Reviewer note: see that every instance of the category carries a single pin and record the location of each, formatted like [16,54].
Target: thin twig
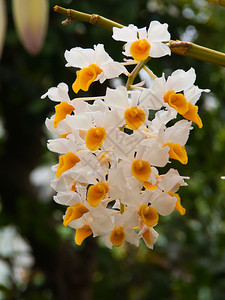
[87,98]
[150,73]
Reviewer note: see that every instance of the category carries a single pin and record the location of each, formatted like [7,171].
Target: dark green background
[188,261]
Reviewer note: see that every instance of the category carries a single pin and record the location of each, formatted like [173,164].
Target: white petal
[178,133]
[127,49]
[162,117]
[67,198]
[80,122]
[58,94]
[79,58]
[63,183]
[113,70]
[112,120]
[159,49]
[62,126]
[132,237]
[153,237]
[107,241]
[180,80]
[130,218]
[98,105]
[58,146]
[152,98]
[163,202]
[81,107]
[142,33]
[101,55]
[117,97]
[158,32]
[194,93]
[126,34]
[101,225]
[171,181]
[156,155]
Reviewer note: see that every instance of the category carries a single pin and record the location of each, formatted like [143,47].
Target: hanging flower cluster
[109,150]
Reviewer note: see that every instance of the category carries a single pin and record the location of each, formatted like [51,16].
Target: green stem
[178,47]
[150,73]
[92,19]
[219,2]
[197,52]
[135,72]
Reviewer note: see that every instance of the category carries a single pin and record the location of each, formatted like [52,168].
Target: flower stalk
[135,72]
[177,47]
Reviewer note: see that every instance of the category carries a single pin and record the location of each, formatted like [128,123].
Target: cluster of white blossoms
[110,148]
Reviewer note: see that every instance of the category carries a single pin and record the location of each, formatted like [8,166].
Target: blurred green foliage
[188,261]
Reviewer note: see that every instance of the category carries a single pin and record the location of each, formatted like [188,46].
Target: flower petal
[158,32]
[126,34]
[82,233]
[117,98]
[163,202]
[79,58]
[159,49]
[180,80]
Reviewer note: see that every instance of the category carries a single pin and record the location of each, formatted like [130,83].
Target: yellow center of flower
[96,193]
[134,117]
[82,233]
[177,152]
[140,49]
[95,138]
[178,205]
[117,236]
[149,215]
[149,186]
[141,170]
[192,114]
[148,237]
[74,212]
[61,111]
[85,77]
[177,101]
[73,187]
[64,135]
[66,162]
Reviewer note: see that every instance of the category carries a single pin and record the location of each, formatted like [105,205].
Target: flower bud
[3,22]
[31,21]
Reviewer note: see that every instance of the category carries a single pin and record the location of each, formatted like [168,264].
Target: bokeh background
[38,257]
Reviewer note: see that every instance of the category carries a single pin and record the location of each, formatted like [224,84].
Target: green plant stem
[93,19]
[197,52]
[150,73]
[135,72]
[178,47]
[218,2]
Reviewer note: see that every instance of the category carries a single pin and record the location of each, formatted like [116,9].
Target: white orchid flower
[95,64]
[142,43]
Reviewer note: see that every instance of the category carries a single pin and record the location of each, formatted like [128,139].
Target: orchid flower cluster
[110,147]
